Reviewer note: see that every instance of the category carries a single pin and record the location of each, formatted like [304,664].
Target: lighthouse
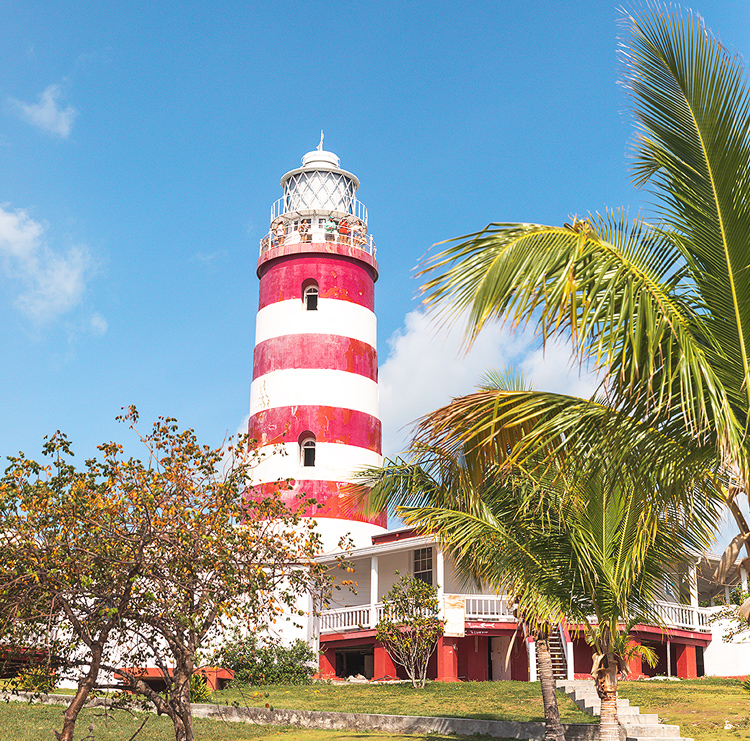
[314,394]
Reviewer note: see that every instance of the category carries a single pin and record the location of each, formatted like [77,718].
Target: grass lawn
[519,701]
[22,722]
[699,706]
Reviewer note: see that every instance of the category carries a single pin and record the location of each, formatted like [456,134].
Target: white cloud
[53,282]
[427,366]
[47,113]
[98,324]
[553,368]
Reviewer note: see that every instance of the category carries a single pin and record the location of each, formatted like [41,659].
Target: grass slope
[517,701]
[22,722]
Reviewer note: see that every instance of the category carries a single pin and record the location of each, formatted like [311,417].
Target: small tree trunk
[85,685]
[180,703]
[553,730]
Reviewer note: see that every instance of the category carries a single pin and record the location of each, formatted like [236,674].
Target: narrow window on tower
[307,449]
[310,295]
[423,565]
[311,298]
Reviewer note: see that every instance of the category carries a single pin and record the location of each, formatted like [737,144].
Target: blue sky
[141,146]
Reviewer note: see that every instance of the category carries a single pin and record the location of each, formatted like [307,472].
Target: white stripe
[314,386]
[334,317]
[333,462]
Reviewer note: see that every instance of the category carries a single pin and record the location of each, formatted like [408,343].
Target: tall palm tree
[579,537]
[662,308]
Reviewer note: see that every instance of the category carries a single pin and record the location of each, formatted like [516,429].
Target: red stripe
[334,497]
[328,424]
[322,248]
[338,277]
[328,352]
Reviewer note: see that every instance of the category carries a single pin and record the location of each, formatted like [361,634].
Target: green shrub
[267,661]
[199,689]
[36,678]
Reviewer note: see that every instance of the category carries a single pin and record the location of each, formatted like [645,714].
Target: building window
[310,295]
[307,451]
[311,298]
[423,565]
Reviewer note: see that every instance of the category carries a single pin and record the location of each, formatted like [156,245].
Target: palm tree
[662,308]
[436,486]
[576,538]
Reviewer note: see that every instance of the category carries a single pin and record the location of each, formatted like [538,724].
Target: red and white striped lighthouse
[314,396]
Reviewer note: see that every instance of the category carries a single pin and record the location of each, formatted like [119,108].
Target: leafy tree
[664,308]
[410,628]
[147,559]
[71,562]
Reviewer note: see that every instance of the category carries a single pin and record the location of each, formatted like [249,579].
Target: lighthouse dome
[319,159]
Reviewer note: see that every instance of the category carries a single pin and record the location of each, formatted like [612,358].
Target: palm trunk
[609,727]
[553,730]
[605,681]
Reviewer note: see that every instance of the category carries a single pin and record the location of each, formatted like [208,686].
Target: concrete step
[593,705]
[637,726]
[572,683]
[638,719]
[652,731]
[648,738]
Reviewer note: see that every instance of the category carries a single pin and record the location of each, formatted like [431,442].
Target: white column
[531,645]
[727,594]
[743,579]
[440,562]
[571,667]
[669,658]
[693,585]
[374,596]
[313,625]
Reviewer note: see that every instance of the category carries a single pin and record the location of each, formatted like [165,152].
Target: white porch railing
[488,608]
[491,608]
[686,617]
[345,618]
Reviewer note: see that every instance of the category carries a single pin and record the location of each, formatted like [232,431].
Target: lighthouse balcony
[318,227]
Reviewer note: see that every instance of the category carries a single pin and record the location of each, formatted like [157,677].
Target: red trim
[342,640]
[328,424]
[654,632]
[328,352]
[332,497]
[338,277]
[490,629]
[683,636]
[392,537]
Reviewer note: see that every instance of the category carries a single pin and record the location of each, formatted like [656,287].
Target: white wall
[388,565]
[726,659]
[360,594]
